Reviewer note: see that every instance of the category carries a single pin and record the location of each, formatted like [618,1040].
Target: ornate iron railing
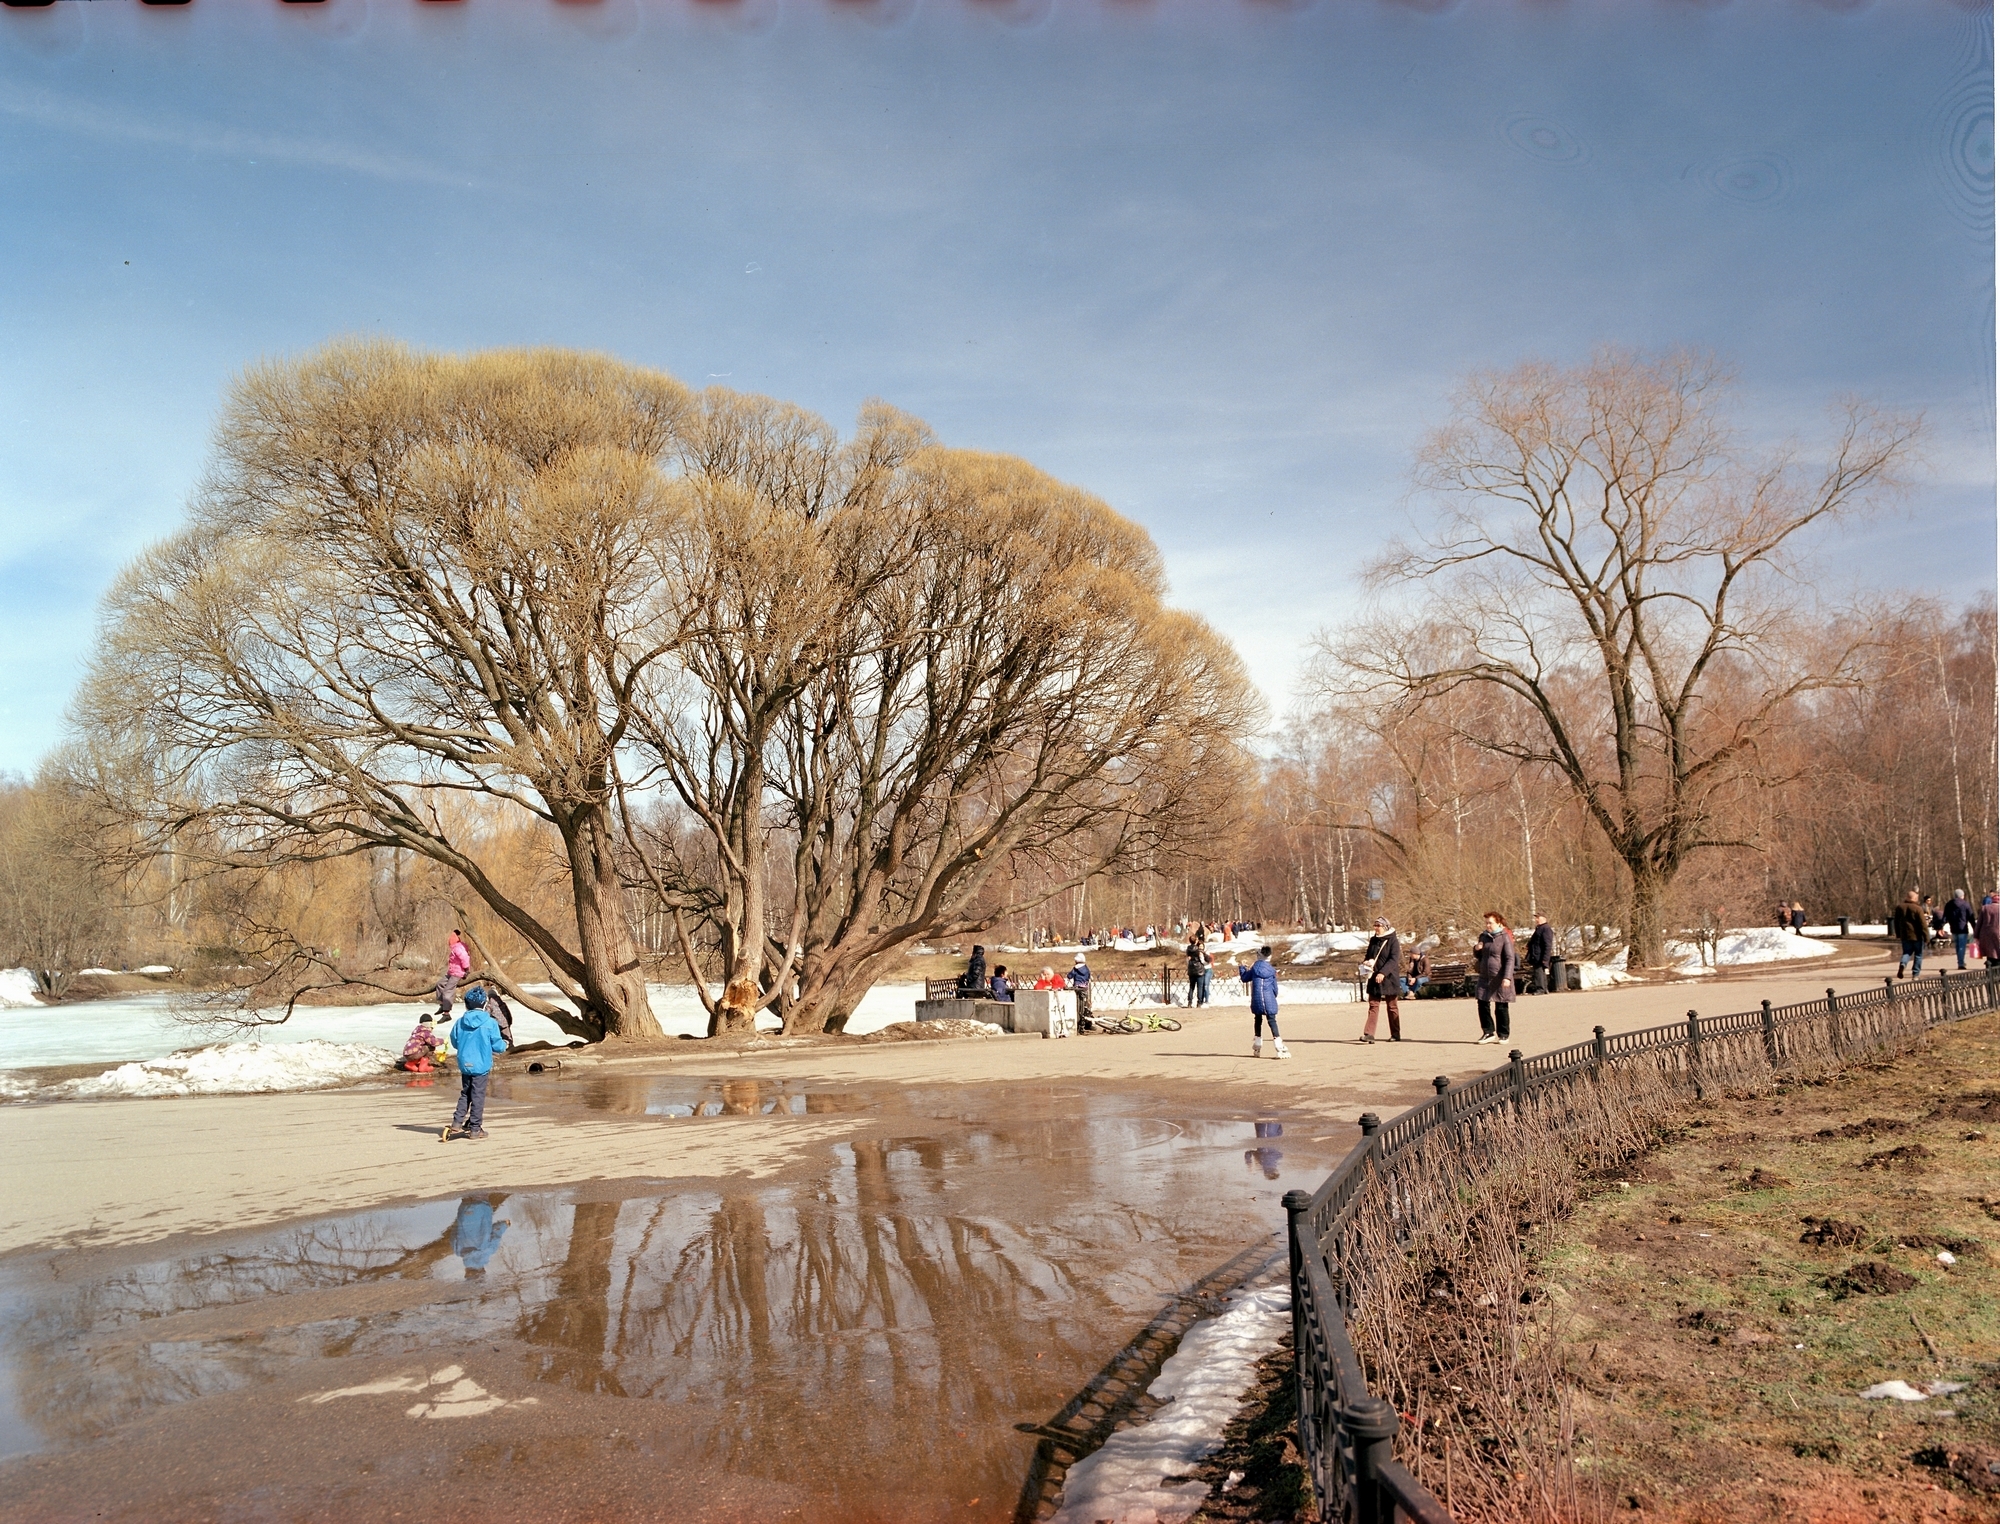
[1347,1434]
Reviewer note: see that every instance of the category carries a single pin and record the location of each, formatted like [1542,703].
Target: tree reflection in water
[907,1308]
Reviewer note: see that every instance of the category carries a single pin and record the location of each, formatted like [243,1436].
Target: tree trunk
[614,983]
[1645,935]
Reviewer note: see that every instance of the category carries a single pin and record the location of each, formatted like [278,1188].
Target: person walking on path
[1988,929]
[475,1037]
[1798,919]
[457,964]
[1494,963]
[1263,982]
[1959,919]
[1382,979]
[1541,948]
[1909,925]
[1079,980]
[1199,964]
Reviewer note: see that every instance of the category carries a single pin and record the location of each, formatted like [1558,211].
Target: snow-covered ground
[236,1068]
[17,989]
[1311,947]
[1204,1383]
[1749,944]
[141,1028]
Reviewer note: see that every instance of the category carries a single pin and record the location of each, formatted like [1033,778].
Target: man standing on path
[457,964]
[1909,925]
[1079,980]
[1541,948]
[1959,919]
[1382,978]
[1263,982]
[475,1038]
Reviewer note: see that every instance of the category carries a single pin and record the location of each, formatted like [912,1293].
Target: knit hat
[1079,957]
[426,1019]
[475,998]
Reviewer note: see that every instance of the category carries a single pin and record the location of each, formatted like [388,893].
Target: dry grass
[1472,1318]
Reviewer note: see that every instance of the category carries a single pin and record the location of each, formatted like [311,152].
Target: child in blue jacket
[475,1038]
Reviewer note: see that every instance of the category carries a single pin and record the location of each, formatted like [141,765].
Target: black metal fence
[1348,1435]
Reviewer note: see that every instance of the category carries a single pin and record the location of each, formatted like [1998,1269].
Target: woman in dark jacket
[1493,965]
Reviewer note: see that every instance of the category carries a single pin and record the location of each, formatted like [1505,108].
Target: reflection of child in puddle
[475,1237]
[1266,1159]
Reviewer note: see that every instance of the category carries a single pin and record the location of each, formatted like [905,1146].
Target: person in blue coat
[1263,982]
[475,1038]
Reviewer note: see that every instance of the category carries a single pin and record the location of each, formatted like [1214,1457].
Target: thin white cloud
[47,108]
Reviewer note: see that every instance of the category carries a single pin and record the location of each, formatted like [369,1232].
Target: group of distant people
[1914,922]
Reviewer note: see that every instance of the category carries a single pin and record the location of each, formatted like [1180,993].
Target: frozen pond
[143,1026]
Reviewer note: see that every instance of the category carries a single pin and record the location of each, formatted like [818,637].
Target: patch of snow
[236,1068]
[1750,944]
[1854,929]
[1600,976]
[17,990]
[14,1088]
[1312,946]
[1902,1391]
[153,968]
[138,1027]
[1125,1478]
[97,971]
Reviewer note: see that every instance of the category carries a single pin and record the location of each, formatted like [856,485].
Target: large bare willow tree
[867,671]
[1611,563]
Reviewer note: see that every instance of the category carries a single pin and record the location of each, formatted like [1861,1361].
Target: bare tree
[406,578]
[950,667]
[1608,558]
[56,900]
[419,596]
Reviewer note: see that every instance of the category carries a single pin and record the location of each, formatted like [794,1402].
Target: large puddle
[869,1341]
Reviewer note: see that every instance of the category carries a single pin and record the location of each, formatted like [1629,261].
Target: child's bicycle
[1128,1025]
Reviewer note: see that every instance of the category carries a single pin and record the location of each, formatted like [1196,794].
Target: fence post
[1305,1353]
[1770,1035]
[1694,1054]
[1371,1424]
[1520,1079]
[1599,1051]
[1833,1024]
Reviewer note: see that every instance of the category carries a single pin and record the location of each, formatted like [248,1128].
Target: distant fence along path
[1346,1433]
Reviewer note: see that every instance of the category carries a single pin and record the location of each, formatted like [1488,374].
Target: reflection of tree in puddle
[910,1290]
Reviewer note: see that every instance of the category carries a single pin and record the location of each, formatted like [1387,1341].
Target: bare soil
[1719,1340]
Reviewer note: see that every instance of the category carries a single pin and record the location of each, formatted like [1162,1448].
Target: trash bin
[1558,976]
[1843,925]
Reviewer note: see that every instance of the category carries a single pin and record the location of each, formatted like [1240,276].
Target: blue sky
[1219,261]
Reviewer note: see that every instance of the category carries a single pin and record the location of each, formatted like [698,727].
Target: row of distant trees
[629,680]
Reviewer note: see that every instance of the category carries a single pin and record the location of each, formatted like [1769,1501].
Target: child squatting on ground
[476,1037]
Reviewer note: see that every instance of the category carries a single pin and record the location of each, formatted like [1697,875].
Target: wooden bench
[1446,980]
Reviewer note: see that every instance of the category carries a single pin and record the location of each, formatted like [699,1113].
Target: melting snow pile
[1600,976]
[1753,944]
[1314,946]
[237,1068]
[17,989]
[1126,1478]
[907,1031]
